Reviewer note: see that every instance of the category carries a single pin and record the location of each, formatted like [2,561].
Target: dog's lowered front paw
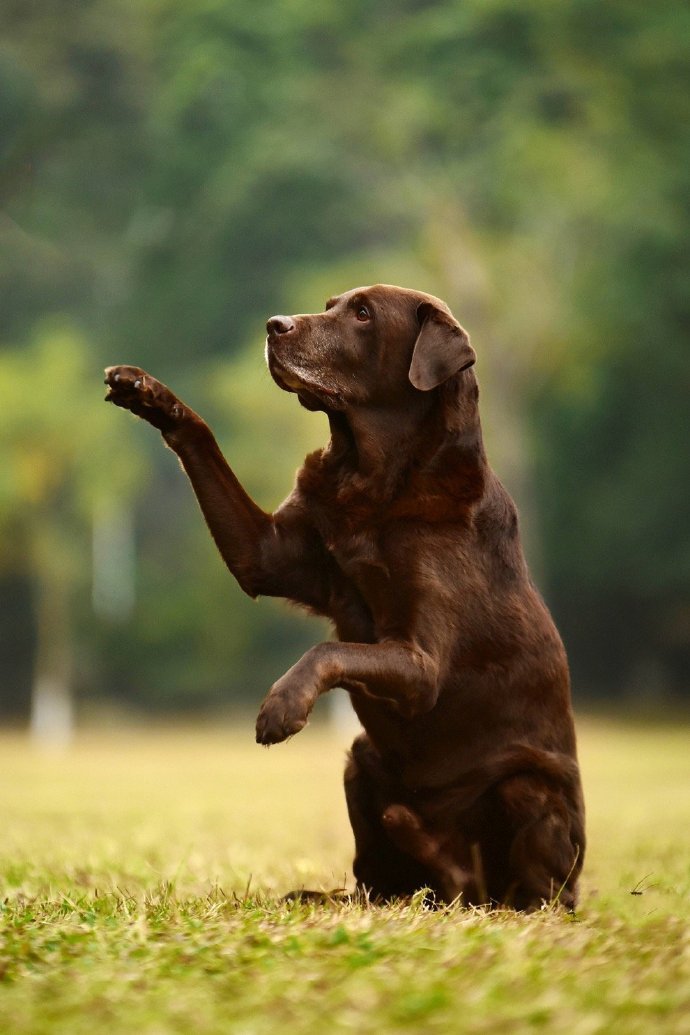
[133,389]
[287,705]
[280,717]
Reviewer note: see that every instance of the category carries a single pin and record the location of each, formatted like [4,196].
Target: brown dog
[466,780]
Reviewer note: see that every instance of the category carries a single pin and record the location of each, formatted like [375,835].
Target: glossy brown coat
[465,779]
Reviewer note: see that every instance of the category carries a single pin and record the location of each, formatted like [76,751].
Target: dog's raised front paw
[133,389]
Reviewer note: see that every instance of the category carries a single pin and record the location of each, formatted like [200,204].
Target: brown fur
[466,779]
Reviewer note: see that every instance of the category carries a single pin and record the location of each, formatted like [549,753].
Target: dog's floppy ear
[441,350]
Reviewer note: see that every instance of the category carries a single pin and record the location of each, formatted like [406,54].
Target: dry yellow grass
[141,872]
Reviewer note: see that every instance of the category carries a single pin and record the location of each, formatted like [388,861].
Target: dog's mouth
[312,397]
[284,378]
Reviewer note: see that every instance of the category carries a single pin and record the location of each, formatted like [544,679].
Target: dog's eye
[363,313]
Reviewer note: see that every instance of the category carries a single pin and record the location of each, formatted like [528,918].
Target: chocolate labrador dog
[466,780]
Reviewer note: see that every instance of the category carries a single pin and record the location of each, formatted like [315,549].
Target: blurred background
[173,173]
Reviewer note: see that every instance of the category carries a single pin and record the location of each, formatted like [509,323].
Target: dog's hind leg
[383,869]
[546,853]
[455,881]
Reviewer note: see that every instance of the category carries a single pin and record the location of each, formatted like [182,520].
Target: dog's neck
[380,442]
[379,446]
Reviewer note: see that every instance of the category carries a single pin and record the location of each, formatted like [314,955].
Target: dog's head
[376,345]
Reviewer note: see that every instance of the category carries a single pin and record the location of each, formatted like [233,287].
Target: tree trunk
[52,707]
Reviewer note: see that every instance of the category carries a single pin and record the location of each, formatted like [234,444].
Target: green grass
[141,873]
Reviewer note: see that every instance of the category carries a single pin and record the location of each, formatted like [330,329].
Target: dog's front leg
[400,673]
[276,555]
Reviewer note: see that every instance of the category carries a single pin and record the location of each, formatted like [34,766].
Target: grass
[141,877]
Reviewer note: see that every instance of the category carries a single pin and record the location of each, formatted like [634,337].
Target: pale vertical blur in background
[173,173]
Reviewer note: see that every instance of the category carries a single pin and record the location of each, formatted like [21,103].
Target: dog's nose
[280,325]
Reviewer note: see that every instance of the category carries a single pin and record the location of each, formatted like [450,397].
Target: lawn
[141,876]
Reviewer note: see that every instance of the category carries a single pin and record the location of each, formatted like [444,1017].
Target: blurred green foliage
[172,174]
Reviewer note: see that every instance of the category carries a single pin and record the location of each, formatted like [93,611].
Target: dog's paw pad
[133,389]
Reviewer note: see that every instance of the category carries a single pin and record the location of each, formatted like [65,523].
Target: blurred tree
[613,454]
[61,471]
[172,173]
[75,91]
[549,150]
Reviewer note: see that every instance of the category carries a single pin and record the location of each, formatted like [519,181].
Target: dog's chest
[372,560]
[357,543]
[357,554]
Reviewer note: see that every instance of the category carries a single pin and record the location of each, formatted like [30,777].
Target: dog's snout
[280,325]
